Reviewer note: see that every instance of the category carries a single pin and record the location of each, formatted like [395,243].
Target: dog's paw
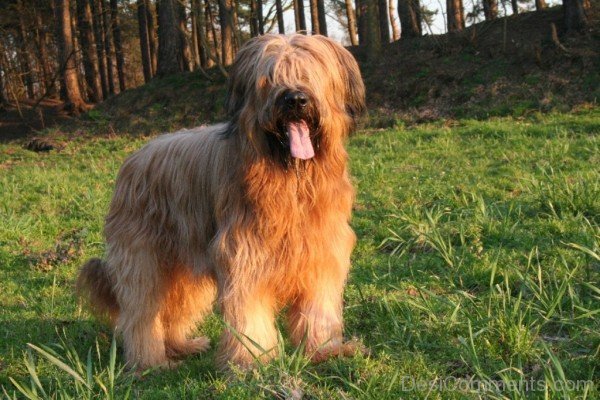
[188,347]
[339,349]
[198,345]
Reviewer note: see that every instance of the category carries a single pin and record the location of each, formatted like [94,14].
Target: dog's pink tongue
[300,144]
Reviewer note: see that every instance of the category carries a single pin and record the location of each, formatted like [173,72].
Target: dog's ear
[355,88]
[242,74]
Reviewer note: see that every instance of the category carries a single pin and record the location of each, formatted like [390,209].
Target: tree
[373,37]
[515,6]
[152,36]
[86,40]
[384,27]
[322,19]
[169,40]
[361,21]
[300,18]
[351,23]
[226,20]
[185,57]
[490,9]
[116,32]
[99,40]
[42,40]
[107,40]
[25,61]
[261,18]
[144,40]
[198,34]
[66,52]
[455,15]
[253,18]
[393,22]
[279,11]
[409,12]
[574,16]
[314,17]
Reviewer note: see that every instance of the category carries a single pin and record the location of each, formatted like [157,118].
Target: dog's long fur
[226,213]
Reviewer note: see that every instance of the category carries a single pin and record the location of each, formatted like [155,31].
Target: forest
[83,51]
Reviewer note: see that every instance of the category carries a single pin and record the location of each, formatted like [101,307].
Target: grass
[476,274]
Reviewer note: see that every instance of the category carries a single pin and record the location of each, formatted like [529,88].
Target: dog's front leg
[315,317]
[250,333]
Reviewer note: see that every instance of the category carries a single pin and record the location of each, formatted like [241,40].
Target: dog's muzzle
[297,130]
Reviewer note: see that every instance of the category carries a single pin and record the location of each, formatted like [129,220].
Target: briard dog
[252,213]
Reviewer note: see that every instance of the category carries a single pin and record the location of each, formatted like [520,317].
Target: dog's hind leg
[189,297]
[140,293]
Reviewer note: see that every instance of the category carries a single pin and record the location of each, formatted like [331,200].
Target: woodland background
[81,52]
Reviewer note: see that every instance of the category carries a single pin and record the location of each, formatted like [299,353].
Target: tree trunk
[540,5]
[203,43]
[279,11]
[195,45]
[393,21]
[351,23]
[75,101]
[574,16]
[226,20]
[322,19]
[144,40]
[409,12]
[116,31]
[384,29]
[490,9]
[361,21]
[152,36]
[211,33]
[237,33]
[25,61]
[42,54]
[253,18]
[99,39]
[515,6]
[86,40]
[373,41]
[261,18]
[169,50]
[62,90]
[455,15]
[300,18]
[186,56]
[314,17]
[106,31]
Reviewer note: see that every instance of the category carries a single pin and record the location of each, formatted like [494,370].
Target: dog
[252,214]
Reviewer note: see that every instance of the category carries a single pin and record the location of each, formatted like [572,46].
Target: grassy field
[476,275]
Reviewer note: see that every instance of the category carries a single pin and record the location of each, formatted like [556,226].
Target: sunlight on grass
[476,274]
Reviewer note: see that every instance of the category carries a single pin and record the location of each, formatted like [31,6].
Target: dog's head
[295,94]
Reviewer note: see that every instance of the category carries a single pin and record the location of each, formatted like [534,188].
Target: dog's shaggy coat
[228,212]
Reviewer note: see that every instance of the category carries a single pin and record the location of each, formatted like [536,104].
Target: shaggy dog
[252,212]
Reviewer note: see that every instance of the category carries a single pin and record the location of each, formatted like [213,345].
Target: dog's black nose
[296,100]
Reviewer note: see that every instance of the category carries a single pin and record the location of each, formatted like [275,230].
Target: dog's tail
[95,287]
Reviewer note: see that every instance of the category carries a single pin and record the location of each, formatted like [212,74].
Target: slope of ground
[510,66]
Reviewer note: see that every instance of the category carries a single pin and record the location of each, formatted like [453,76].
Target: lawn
[476,274]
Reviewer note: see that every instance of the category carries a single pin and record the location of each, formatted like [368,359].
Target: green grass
[476,274]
